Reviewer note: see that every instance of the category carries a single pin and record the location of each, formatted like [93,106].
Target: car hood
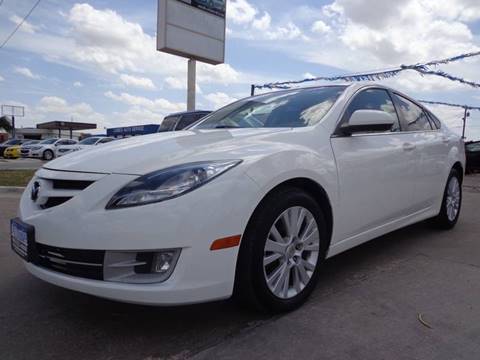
[144,154]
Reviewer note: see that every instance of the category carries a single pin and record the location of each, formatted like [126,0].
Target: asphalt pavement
[366,306]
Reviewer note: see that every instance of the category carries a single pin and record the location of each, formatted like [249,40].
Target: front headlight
[169,183]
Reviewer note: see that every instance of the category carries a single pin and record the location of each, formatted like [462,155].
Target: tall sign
[12,111]
[194,29]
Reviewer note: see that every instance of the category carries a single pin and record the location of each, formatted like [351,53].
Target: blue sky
[96,60]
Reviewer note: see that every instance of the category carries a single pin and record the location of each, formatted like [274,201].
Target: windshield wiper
[227,127]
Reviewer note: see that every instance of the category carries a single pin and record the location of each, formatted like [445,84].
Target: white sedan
[250,202]
[46,149]
[83,145]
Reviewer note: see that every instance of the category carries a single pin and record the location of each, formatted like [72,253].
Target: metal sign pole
[13,126]
[191,84]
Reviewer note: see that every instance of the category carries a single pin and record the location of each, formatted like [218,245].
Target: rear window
[168,124]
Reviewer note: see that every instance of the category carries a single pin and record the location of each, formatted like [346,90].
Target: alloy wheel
[291,252]
[453,198]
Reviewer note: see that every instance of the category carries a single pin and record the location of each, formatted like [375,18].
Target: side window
[185,121]
[168,124]
[413,116]
[71,142]
[104,141]
[373,99]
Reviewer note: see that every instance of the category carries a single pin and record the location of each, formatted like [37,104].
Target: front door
[375,171]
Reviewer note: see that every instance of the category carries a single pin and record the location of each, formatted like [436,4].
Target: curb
[11,189]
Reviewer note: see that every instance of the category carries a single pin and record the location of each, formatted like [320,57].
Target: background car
[11,142]
[14,152]
[182,120]
[82,145]
[46,149]
[25,147]
[472,151]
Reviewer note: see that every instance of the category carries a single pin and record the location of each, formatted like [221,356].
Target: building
[55,129]
[123,132]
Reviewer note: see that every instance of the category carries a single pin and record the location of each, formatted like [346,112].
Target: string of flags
[421,68]
[466,107]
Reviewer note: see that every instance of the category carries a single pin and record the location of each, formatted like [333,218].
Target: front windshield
[31,142]
[293,108]
[89,141]
[48,141]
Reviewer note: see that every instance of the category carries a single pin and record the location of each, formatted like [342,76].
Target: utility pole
[466,115]
[191,84]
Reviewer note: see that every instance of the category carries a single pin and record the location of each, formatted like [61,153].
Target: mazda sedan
[249,202]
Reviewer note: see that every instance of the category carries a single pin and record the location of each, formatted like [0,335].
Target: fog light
[140,267]
[162,262]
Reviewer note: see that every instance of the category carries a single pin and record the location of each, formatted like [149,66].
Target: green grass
[15,177]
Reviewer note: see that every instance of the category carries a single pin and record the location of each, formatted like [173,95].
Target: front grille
[54,201]
[71,184]
[86,264]
[59,191]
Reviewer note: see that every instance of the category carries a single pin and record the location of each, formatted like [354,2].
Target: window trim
[339,133]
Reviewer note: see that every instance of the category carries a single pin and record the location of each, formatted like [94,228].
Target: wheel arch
[459,167]
[314,189]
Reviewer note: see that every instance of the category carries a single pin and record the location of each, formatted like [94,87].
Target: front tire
[451,202]
[282,250]
[48,155]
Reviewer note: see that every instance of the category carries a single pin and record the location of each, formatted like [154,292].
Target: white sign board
[194,29]
[12,110]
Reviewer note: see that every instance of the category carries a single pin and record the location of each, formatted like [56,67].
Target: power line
[19,24]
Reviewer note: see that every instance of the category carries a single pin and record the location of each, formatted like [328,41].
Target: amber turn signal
[226,243]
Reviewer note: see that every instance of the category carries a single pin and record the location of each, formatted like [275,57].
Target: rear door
[374,170]
[431,148]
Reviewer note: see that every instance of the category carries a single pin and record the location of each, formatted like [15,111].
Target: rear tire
[451,202]
[48,155]
[297,258]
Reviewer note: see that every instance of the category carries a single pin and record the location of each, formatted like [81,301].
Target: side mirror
[368,121]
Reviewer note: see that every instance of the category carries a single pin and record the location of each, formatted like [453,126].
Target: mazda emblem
[35,190]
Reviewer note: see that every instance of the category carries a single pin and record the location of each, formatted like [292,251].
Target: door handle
[445,139]
[409,146]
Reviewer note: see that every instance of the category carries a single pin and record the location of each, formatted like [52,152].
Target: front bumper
[190,222]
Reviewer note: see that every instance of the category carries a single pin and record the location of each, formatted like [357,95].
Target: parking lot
[366,306]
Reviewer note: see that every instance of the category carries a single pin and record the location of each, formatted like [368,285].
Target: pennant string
[423,69]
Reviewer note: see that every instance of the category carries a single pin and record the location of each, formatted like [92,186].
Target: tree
[5,123]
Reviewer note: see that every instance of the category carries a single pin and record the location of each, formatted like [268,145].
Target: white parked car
[87,143]
[249,202]
[47,149]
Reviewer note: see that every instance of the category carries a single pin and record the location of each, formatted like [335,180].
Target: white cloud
[2,78]
[160,105]
[78,84]
[319,27]
[219,99]
[24,71]
[262,23]
[138,82]
[26,26]
[241,11]
[176,83]
[378,33]
[56,108]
